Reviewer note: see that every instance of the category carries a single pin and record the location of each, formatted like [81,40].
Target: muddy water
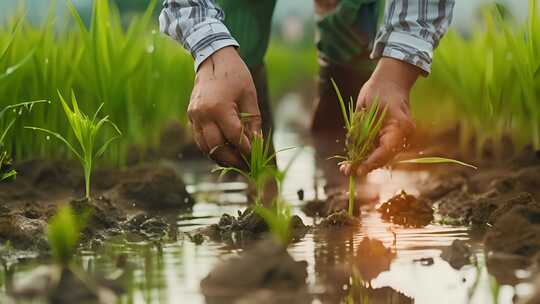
[170,272]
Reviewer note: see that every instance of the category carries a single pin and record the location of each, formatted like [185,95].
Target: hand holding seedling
[223,90]
[390,86]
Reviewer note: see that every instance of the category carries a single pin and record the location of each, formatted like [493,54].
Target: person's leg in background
[250,24]
[344,31]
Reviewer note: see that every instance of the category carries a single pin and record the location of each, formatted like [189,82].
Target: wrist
[217,58]
[400,73]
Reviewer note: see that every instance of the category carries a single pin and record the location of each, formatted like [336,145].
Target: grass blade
[436,160]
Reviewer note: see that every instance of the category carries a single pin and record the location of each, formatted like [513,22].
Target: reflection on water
[374,263]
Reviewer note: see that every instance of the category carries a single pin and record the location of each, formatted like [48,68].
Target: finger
[199,138]
[345,169]
[248,105]
[231,126]
[220,151]
[389,145]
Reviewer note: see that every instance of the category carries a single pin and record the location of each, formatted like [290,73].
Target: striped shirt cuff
[206,39]
[404,47]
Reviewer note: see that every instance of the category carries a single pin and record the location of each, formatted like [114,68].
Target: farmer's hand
[224,89]
[390,84]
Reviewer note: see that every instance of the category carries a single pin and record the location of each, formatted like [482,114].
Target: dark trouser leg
[345,28]
[261,85]
[328,126]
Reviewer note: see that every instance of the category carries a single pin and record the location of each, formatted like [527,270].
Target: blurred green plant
[5,160]
[86,132]
[278,218]
[487,84]
[143,78]
[63,234]
[290,68]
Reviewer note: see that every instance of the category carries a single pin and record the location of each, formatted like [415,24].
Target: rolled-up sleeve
[197,25]
[412,30]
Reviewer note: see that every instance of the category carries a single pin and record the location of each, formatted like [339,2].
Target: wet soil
[131,199]
[339,219]
[500,200]
[336,201]
[407,210]
[458,254]
[245,227]
[265,273]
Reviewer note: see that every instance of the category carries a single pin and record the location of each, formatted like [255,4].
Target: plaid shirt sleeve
[197,25]
[412,29]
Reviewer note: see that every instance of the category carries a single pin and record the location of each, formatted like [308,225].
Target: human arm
[223,85]
[404,47]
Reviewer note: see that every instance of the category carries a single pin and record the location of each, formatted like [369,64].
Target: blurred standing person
[365,62]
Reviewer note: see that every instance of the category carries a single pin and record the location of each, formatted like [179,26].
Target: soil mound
[248,225]
[407,210]
[266,265]
[458,254]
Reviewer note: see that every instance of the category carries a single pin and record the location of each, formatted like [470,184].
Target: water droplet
[46,60]
[48,137]
[150,49]
[10,70]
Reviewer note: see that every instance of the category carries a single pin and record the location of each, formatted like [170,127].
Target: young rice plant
[362,130]
[86,131]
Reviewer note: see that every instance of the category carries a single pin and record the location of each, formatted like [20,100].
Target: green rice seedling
[362,129]
[85,130]
[260,166]
[63,234]
[278,219]
[278,216]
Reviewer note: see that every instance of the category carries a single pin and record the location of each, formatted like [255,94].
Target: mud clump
[23,232]
[458,254]
[488,210]
[503,267]
[60,285]
[149,227]
[248,225]
[516,232]
[265,266]
[407,210]
[339,219]
[156,189]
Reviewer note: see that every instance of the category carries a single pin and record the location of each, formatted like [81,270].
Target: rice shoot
[362,129]
[86,131]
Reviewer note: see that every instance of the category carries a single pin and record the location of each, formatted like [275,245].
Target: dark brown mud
[245,227]
[264,272]
[119,199]
[339,219]
[57,284]
[458,254]
[407,210]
